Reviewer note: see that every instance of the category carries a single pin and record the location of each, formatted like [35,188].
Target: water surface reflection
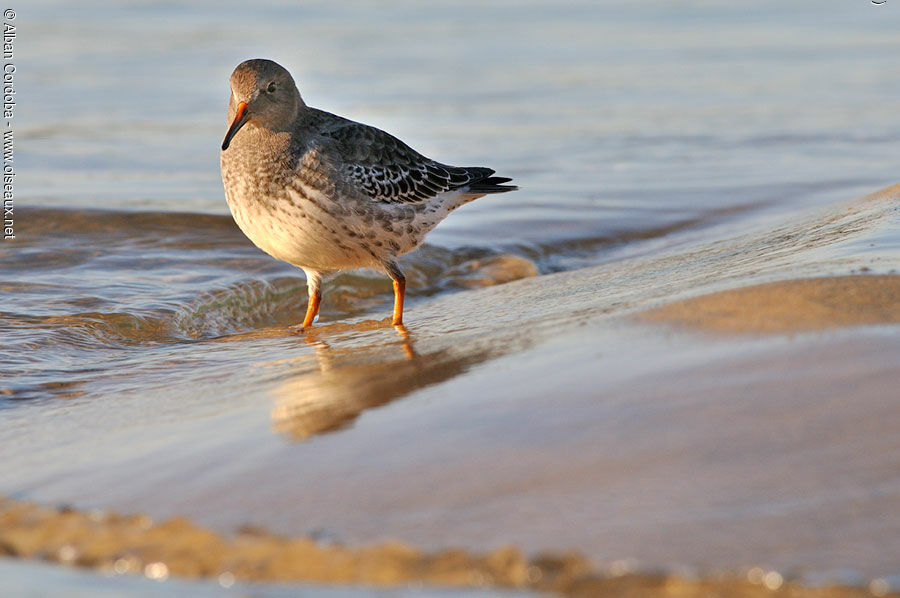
[349,380]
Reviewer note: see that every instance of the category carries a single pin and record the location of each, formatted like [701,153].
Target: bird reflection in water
[349,380]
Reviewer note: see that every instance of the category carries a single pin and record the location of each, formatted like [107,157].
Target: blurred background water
[614,116]
[627,126]
[622,123]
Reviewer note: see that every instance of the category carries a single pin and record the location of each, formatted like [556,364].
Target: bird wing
[386,169]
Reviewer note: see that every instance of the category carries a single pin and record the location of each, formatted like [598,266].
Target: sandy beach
[123,544]
[735,486]
[789,306]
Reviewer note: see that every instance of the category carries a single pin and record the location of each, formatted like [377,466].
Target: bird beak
[239,119]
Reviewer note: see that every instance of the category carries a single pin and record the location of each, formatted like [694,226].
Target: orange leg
[399,294]
[393,270]
[312,308]
[314,288]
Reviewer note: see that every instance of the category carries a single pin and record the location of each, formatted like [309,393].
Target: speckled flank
[325,193]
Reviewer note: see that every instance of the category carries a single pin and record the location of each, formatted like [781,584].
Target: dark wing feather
[388,170]
[411,183]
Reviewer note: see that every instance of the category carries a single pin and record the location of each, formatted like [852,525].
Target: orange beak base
[239,119]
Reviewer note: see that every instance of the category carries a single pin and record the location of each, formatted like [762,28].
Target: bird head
[263,93]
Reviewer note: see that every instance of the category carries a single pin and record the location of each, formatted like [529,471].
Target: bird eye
[271,87]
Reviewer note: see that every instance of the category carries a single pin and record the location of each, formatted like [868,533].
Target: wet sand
[789,306]
[136,545]
[549,413]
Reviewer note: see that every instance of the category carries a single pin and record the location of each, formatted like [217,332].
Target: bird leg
[396,275]
[314,287]
[399,294]
[312,309]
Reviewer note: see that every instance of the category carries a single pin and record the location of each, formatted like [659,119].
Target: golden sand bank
[134,544]
[789,306]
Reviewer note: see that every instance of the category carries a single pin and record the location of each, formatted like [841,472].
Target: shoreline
[480,365]
[111,543]
[787,306]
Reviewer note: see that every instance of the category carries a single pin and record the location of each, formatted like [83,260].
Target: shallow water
[38,579]
[148,362]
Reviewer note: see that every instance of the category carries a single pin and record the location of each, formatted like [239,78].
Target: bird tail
[491,184]
[477,182]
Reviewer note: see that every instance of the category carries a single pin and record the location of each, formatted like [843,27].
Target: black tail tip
[493,184]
